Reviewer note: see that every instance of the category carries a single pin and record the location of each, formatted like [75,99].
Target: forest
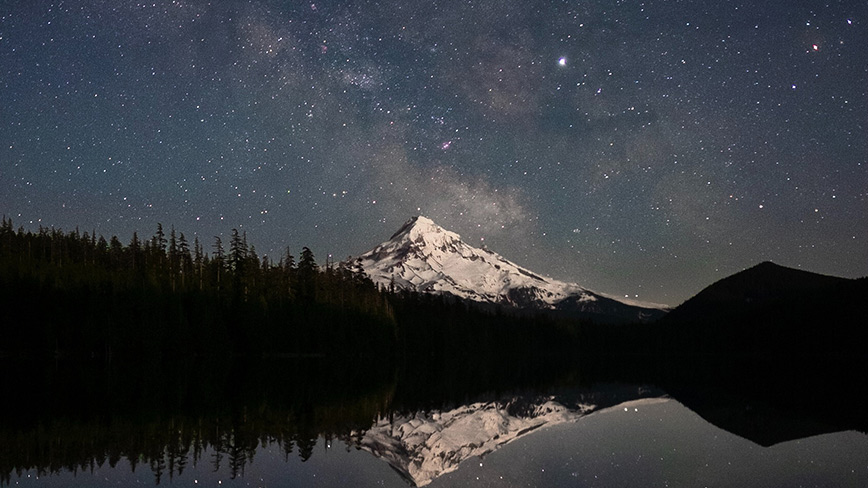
[74,295]
[150,351]
[158,349]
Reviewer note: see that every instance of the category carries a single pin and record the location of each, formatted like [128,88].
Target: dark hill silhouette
[771,310]
[760,289]
[786,338]
[764,421]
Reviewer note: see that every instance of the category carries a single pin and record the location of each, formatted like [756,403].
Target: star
[481,120]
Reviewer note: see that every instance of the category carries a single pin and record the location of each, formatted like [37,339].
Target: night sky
[637,148]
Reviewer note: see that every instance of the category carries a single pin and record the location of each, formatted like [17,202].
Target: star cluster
[643,148]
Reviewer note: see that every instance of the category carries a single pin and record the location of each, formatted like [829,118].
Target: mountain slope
[425,445]
[773,311]
[422,256]
[763,288]
[767,345]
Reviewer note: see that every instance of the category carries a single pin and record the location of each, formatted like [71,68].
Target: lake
[305,423]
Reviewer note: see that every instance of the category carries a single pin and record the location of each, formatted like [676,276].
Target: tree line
[216,414]
[79,295]
[73,294]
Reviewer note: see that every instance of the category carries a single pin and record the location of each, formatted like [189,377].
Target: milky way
[637,148]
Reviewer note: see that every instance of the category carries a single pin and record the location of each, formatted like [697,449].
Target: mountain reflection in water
[305,423]
[423,446]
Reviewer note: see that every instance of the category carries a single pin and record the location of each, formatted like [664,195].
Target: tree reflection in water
[223,414]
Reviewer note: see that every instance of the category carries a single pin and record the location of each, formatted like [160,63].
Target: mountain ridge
[424,257]
[755,289]
[425,445]
[782,316]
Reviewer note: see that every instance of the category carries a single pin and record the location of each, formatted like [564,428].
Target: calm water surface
[549,441]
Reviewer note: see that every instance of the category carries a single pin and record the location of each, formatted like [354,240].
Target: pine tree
[287,262]
[287,266]
[116,252]
[219,258]
[237,252]
[135,252]
[198,259]
[174,258]
[159,239]
[186,261]
[307,271]
[307,262]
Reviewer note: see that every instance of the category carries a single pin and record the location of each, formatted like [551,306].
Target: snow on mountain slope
[425,445]
[425,257]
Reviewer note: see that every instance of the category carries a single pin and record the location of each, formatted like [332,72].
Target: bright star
[562,61]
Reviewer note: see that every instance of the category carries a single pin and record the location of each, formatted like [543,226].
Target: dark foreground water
[303,424]
[657,443]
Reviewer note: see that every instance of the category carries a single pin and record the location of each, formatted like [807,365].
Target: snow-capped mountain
[424,257]
[423,446]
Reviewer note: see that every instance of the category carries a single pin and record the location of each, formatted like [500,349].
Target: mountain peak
[424,257]
[423,446]
[420,226]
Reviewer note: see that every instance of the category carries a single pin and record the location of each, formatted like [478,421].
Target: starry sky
[639,148]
